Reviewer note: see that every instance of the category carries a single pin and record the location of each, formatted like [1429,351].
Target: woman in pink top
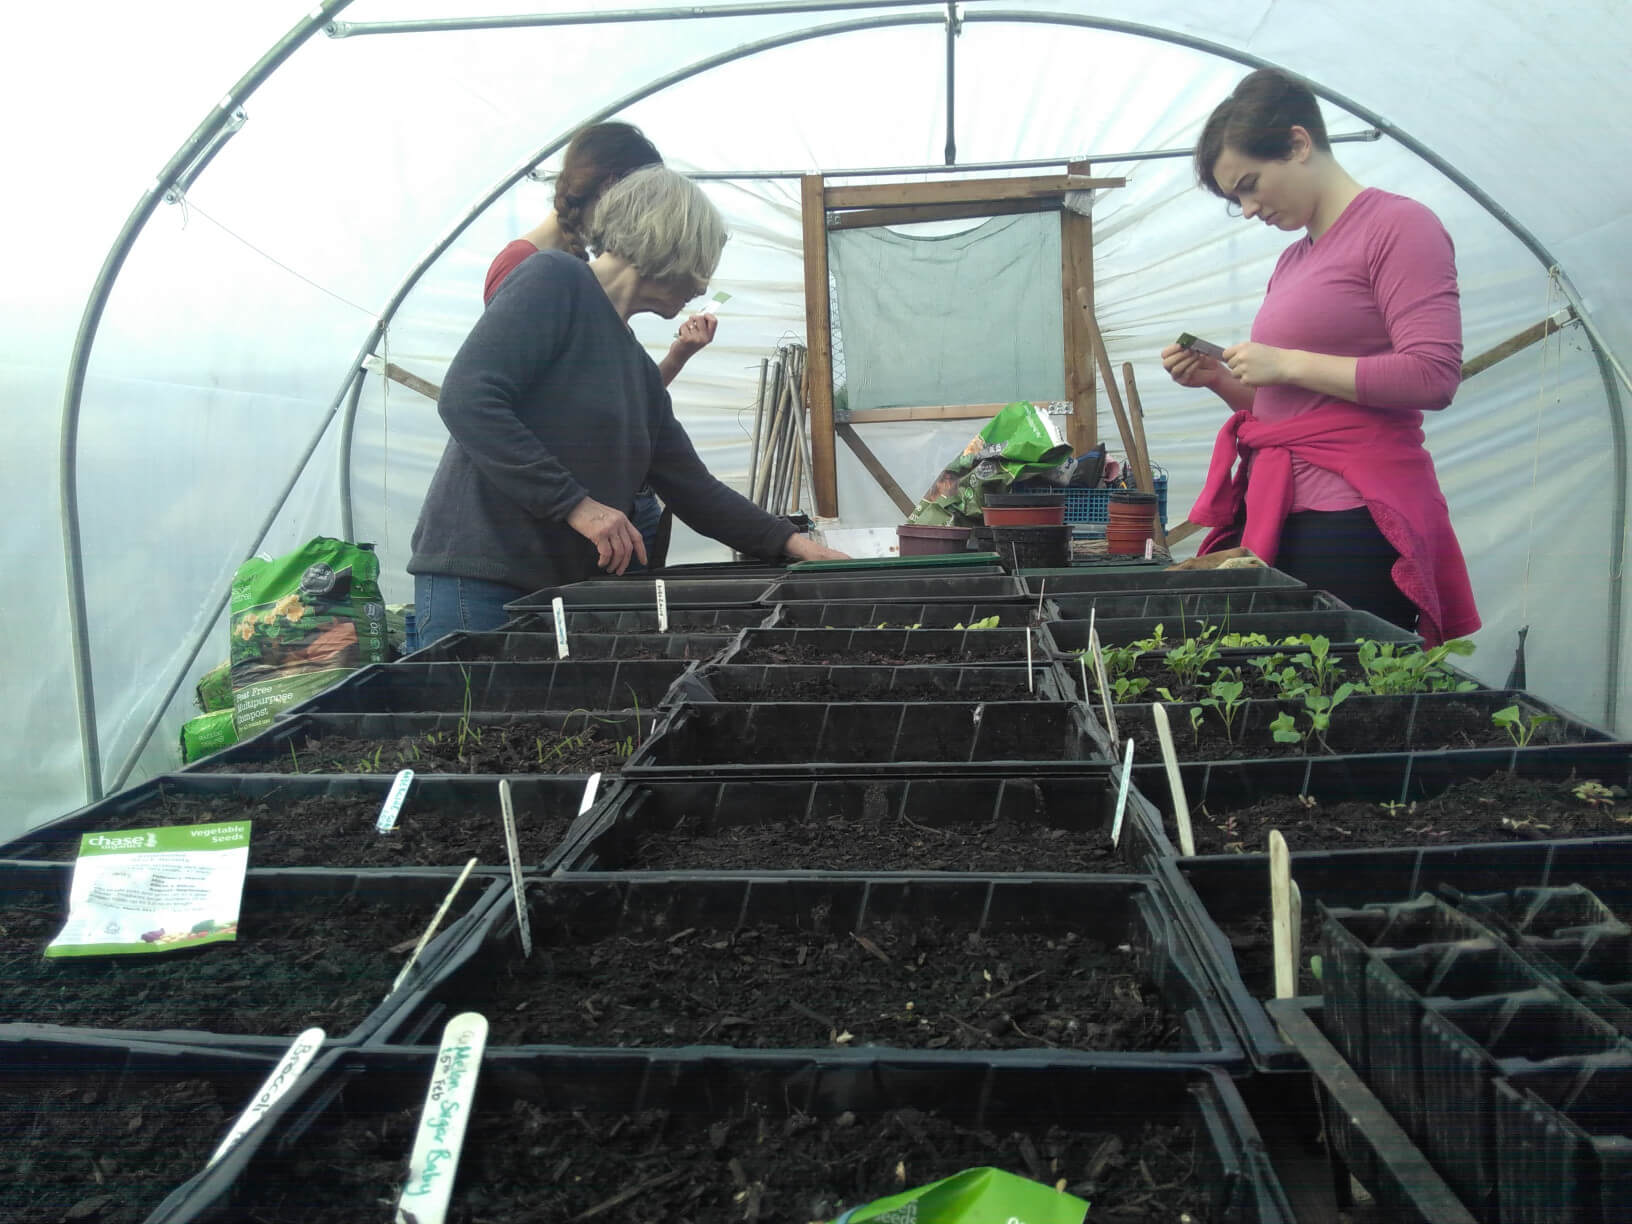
[1360,332]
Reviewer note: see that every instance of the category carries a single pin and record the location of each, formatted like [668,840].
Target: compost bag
[975,1196]
[1021,442]
[299,623]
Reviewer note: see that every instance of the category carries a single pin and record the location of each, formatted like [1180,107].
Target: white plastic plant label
[1122,795]
[155,890]
[435,1159]
[558,609]
[283,1077]
[591,788]
[523,926]
[392,807]
[662,606]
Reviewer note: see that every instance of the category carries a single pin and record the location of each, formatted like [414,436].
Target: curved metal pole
[67,476]
[348,426]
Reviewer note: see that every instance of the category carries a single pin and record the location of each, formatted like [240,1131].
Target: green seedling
[1316,965]
[1226,698]
[1318,662]
[1520,728]
[294,758]
[1196,715]
[1391,669]
[1119,660]
[989,622]
[1317,709]
[1188,661]
[1243,639]
[1129,688]
[1594,794]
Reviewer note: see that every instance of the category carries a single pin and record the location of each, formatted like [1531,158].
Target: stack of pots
[1132,521]
[1029,529]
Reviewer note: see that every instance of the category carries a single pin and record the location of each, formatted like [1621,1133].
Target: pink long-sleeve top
[1379,285]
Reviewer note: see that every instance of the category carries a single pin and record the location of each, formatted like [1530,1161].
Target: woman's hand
[1259,365]
[803,548]
[616,539]
[695,334]
[1189,368]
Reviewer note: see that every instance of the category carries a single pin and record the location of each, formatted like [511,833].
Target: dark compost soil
[768,988]
[328,963]
[1005,649]
[1502,807]
[969,684]
[1252,939]
[521,747]
[523,1163]
[99,1150]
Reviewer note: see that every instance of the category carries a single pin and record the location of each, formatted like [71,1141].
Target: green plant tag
[975,1196]
[154,890]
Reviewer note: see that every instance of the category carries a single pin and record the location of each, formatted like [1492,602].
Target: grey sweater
[549,400]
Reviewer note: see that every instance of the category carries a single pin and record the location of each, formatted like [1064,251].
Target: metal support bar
[952,28]
[348,425]
[217,142]
[770,8]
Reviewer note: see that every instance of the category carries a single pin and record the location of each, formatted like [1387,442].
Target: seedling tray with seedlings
[638,593]
[497,688]
[681,620]
[1095,581]
[1172,607]
[727,739]
[329,822]
[820,682]
[1020,824]
[538,647]
[899,588]
[313,949]
[981,643]
[1063,964]
[1252,633]
[577,742]
[902,615]
[737,1136]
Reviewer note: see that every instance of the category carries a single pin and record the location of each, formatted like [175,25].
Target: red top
[504,263]
[1379,285]
[1381,455]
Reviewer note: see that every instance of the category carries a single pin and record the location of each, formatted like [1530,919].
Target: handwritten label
[1122,795]
[662,606]
[436,921]
[283,1078]
[558,609]
[394,801]
[523,925]
[442,1122]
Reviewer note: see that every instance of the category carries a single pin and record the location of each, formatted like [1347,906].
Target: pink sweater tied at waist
[1383,457]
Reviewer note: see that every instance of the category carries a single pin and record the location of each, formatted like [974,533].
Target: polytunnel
[192,320]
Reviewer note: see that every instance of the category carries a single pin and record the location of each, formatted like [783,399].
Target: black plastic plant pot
[1564,1141]
[747,739]
[1338,627]
[540,648]
[1176,607]
[784,682]
[899,615]
[810,1136]
[900,588]
[104,1129]
[637,592]
[1080,965]
[1145,578]
[1036,824]
[573,742]
[886,647]
[498,688]
[313,948]
[681,620]
[1363,1138]
[322,823]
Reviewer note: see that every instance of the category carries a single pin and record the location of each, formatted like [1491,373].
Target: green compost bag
[214,689]
[975,1196]
[1020,442]
[206,734]
[299,623]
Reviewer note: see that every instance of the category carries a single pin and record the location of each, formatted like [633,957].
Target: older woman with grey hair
[558,415]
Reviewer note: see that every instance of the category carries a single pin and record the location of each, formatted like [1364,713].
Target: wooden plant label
[1175,780]
[283,1078]
[435,1158]
[558,609]
[1280,913]
[662,606]
[1122,795]
[523,925]
[1104,684]
[436,921]
[394,801]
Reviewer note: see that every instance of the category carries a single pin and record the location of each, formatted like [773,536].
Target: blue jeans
[444,604]
[648,514]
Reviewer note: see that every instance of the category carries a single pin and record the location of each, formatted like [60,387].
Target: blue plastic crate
[1093,505]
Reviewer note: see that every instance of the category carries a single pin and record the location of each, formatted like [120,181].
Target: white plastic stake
[514,851]
[1150,548]
[1087,693]
[1297,928]
[435,1158]
[662,606]
[394,801]
[283,1078]
[1175,782]
[1030,686]
[1122,795]
[590,787]
[1104,684]
[1280,913]
[559,610]
[436,921]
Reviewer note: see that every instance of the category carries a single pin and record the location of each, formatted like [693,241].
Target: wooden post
[1077,272]
[824,478]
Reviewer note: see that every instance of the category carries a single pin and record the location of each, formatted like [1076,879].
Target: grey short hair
[661,222]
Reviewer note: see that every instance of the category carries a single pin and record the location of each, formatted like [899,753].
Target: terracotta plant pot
[1025,516]
[919,541]
[1131,521]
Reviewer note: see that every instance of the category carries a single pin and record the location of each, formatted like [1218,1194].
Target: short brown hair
[596,157]
[1257,119]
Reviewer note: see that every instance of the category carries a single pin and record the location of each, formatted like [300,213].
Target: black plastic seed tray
[287,1173]
[1068,637]
[1079,807]
[488,688]
[792,682]
[1125,913]
[437,807]
[1362,1137]
[638,592]
[745,739]
[1218,607]
[538,647]
[681,620]
[286,747]
[1564,1142]
[900,588]
[898,615]
[1058,583]
[888,647]
[28,890]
